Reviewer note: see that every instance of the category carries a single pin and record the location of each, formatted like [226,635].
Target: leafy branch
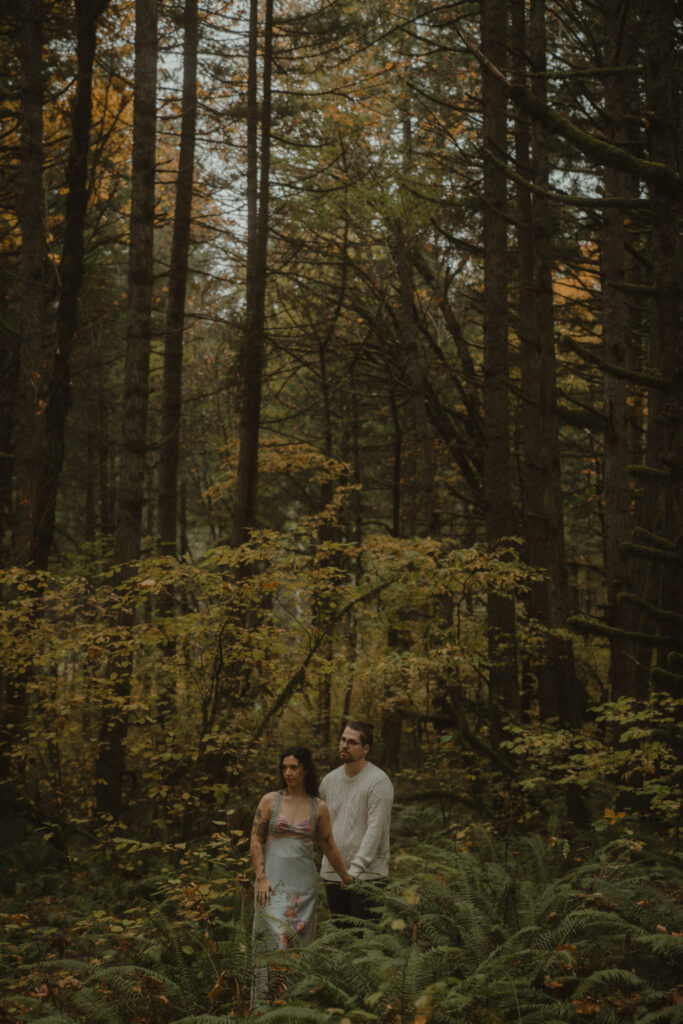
[298,678]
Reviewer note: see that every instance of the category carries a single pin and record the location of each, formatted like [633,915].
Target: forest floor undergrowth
[474,929]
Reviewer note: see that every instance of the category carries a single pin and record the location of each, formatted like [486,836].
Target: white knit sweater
[360,809]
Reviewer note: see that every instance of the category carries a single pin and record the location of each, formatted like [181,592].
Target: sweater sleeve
[380,800]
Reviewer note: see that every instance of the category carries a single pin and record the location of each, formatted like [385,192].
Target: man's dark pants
[345,901]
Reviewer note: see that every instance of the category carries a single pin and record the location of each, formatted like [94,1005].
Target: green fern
[507,931]
[57,1018]
[201,1018]
[668,946]
[178,972]
[89,1003]
[292,1014]
[491,939]
[607,978]
[667,1014]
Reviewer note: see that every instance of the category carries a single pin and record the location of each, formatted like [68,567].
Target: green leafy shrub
[625,762]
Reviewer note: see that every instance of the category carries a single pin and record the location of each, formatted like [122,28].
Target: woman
[286,890]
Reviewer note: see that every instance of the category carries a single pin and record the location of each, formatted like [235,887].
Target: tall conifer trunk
[111,752]
[231,684]
[503,683]
[665,406]
[629,660]
[132,465]
[558,693]
[171,399]
[33,357]
[177,287]
[424,518]
[529,420]
[46,400]
[252,351]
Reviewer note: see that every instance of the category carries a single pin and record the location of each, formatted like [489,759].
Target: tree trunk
[10,352]
[252,354]
[177,285]
[628,672]
[140,291]
[503,684]
[111,753]
[528,418]
[425,518]
[43,442]
[175,321]
[558,692]
[14,679]
[33,351]
[665,413]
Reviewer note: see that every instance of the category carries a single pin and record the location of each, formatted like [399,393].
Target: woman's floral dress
[289,916]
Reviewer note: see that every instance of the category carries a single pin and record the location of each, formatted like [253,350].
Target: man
[359,796]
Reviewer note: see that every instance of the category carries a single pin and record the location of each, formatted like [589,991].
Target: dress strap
[275,812]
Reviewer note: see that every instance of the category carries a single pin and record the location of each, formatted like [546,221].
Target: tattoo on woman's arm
[259,829]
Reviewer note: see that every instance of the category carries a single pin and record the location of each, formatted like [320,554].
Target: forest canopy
[342,376]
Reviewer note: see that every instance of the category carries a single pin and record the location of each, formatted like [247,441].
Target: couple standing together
[355,800]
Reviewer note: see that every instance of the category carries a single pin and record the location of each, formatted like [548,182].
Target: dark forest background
[342,375]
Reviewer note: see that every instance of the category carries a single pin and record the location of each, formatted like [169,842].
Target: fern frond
[110,972]
[606,978]
[200,1018]
[670,946]
[588,921]
[559,1013]
[536,903]
[94,1007]
[183,971]
[670,1014]
[58,1018]
[327,989]
[291,1015]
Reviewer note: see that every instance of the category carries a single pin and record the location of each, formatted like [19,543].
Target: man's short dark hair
[365,729]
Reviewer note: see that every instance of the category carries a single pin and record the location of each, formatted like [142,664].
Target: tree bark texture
[425,519]
[132,463]
[177,287]
[503,683]
[530,440]
[30,361]
[252,353]
[34,352]
[544,527]
[41,446]
[665,415]
[111,752]
[628,660]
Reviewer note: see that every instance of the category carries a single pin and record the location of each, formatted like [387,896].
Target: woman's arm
[328,845]
[259,831]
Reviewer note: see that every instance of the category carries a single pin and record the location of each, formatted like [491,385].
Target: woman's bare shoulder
[266,802]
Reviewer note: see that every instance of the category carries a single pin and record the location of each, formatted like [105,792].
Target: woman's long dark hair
[304,757]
